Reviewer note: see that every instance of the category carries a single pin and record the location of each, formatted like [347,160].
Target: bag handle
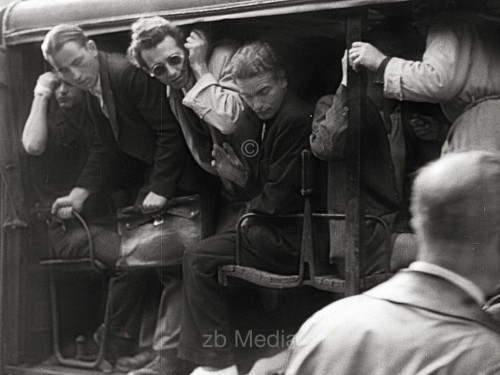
[178,206]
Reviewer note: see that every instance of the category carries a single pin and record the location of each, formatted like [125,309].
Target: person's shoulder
[220,57]
[349,308]
[488,335]
[352,314]
[224,47]
[118,65]
[126,76]
[482,355]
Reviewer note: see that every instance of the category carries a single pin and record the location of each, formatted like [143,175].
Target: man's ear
[92,47]
[282,80]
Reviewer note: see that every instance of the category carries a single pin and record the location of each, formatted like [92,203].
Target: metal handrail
[45,213]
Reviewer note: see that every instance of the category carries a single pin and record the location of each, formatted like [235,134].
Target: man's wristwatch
[379,74]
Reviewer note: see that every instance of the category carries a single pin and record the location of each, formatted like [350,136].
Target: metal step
[46,369]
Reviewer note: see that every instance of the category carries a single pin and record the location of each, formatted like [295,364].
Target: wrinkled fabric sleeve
[280,193]
[214,97]
[328,138]
[443,69]
[149,97]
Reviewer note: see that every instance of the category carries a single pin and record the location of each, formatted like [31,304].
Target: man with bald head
[426,319]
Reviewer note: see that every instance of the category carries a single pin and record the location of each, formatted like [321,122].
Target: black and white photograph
[250,187]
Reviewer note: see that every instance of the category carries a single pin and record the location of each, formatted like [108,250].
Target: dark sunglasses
[160,69]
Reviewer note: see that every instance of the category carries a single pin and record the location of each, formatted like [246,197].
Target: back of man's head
[59,35]
[456,205]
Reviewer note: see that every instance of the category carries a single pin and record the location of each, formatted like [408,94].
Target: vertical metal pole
[356,102]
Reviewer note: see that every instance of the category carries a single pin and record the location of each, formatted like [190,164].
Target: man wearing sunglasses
[219,131]
[201,92]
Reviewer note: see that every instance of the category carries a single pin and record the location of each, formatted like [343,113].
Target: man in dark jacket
[141,128]
[137,138]
[275,182]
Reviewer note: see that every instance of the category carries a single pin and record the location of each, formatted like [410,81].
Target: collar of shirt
[97,89]
[97,92]
[169,91]
[463,283]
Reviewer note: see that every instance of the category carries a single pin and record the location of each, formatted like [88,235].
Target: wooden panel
[11,199]
[356,102]
[24,285]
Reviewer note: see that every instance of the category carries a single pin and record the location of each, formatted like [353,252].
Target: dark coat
[55,172]
[278,175]
[142,133]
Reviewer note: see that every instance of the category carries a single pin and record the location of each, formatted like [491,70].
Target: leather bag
[158,239]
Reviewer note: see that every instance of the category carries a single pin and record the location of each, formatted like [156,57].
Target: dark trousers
[204,316]
[131,292]
[128,292]
[69,241]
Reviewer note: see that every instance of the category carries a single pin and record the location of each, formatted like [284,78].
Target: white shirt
[97,92]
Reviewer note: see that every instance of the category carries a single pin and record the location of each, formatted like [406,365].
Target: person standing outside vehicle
[427,318]
[459,70]
[430,317]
